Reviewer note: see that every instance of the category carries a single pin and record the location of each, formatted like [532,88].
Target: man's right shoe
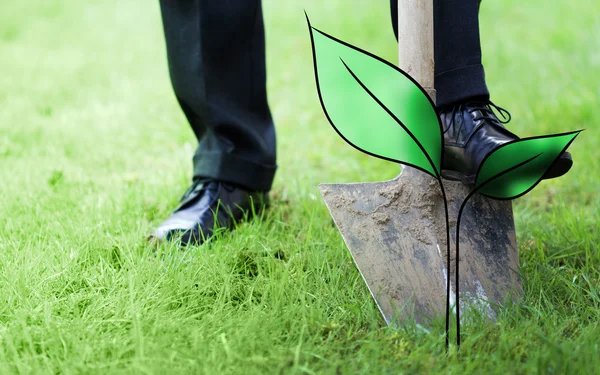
[471,132]
[206,205]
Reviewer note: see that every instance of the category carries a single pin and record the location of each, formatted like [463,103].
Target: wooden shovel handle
[415,41]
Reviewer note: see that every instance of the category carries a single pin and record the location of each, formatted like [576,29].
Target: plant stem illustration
[380,110]
[509,172]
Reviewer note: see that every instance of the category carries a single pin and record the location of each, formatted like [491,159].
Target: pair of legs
[216,55]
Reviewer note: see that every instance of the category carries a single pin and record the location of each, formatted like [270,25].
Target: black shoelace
[485,108]
[201,184]
[198,185]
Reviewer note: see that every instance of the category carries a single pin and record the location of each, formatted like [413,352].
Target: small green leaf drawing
[376,107]
[515,168]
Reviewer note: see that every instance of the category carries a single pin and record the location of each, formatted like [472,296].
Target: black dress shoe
[471,131]
[206,205]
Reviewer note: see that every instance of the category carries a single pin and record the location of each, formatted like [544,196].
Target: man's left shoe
[471,131]
[206,205]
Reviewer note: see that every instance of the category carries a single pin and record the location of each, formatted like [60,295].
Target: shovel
[396,230]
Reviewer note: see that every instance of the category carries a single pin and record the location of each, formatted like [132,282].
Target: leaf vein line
[389,112]
[506,171]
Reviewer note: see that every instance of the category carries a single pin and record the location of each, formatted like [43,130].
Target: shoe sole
[559,168]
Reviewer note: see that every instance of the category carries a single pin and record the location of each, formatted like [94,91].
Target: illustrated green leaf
[515,168]
[376,107]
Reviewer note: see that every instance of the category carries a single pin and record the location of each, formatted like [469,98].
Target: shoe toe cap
[560,167]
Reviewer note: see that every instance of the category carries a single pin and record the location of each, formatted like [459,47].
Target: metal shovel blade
[396,233]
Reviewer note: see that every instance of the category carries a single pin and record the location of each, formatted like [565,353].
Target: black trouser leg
[216,55]
[459,73]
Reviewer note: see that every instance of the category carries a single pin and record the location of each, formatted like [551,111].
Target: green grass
[94,152]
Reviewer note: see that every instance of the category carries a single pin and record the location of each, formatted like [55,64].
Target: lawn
[94,152]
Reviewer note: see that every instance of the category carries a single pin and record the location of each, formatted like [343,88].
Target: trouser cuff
[235,170]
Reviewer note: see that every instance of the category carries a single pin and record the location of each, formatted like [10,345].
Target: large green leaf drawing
[515,168]
[375,106]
